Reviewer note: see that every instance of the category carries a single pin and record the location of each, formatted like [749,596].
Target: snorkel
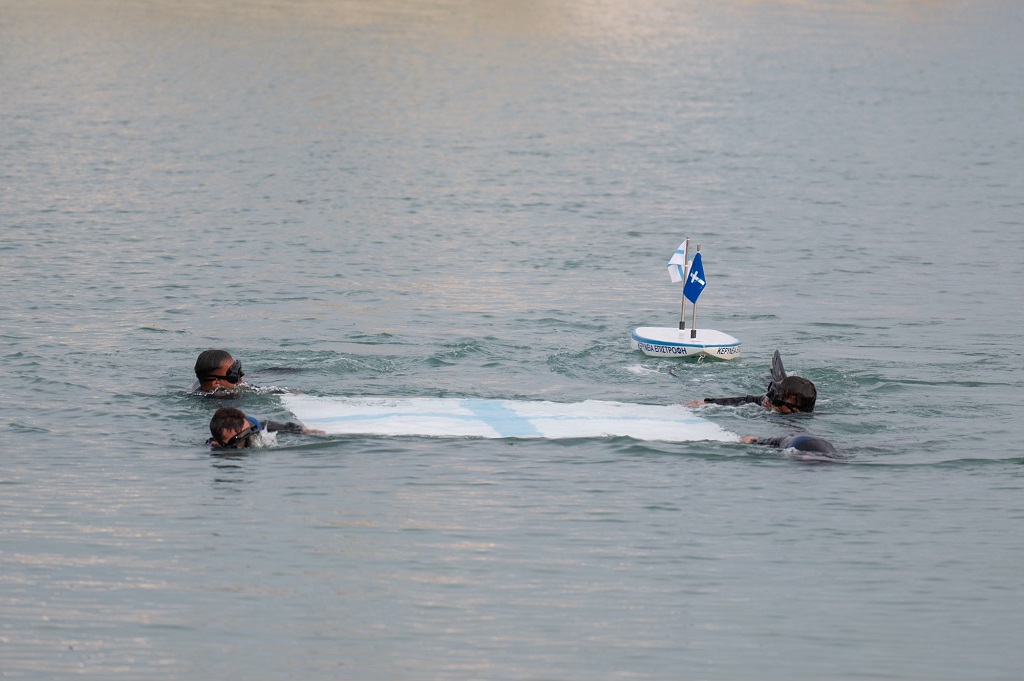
[774,392]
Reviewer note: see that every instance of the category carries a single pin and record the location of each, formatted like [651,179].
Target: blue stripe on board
[503,420]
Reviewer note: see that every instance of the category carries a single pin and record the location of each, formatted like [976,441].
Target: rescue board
[452,417]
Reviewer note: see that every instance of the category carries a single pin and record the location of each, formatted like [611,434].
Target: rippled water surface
[456,198]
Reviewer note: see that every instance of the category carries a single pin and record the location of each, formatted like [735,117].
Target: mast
[693,329]
[686,273]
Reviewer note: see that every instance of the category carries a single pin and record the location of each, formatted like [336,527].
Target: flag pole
[693,329]
[686,272]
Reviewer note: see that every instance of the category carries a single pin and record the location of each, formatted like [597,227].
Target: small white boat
[657,341]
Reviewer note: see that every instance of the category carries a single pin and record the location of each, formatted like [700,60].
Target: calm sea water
[456,198]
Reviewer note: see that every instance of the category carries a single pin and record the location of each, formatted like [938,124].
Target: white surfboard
[483,418]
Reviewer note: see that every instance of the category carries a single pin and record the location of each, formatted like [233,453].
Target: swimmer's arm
[291,427]
[726,401]
[768,441]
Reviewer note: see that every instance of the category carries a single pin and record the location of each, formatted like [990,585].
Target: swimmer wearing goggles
[218,370]
[232,429]
[785,394]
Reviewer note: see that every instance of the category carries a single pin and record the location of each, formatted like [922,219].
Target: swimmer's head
[230,429]
[792,394]
[218,369]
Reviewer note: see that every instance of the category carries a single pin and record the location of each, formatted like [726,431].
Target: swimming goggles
[777,401]
[233,376]
[242,438]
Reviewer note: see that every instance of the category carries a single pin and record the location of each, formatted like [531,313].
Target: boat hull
[656,341]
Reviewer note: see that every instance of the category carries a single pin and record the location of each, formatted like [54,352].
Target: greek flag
[696,281]
[677,264]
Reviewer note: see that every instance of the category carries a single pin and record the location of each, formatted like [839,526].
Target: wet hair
[209,362]
[227,418]
[798,392]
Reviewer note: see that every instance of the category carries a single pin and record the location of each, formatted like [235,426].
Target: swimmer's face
[235,438]
[229,374]
[780,406]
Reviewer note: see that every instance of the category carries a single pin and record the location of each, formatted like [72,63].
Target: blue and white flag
[696,281]
[677,264]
